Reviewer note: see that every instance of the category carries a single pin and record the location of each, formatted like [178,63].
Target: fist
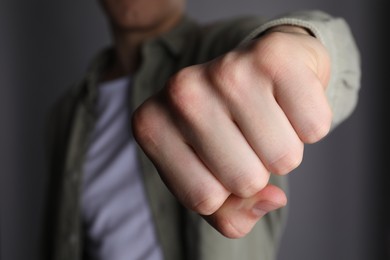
[218,130]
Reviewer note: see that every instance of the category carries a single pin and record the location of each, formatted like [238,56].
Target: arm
[227,124]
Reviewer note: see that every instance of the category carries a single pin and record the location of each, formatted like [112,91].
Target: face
[141,14]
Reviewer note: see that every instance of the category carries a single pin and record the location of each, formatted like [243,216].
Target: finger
[226,152]
[267,129]
[237,216]
[303,99]
[216,139]
[179,167]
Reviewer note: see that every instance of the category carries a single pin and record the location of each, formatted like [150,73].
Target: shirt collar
[173,41]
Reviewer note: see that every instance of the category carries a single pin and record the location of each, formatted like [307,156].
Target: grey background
[338,198]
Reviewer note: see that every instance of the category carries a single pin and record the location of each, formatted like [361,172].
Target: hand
[217,130]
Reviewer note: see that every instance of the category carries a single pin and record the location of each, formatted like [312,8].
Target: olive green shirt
[181,233]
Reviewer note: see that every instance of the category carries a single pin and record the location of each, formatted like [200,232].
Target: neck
[127,47]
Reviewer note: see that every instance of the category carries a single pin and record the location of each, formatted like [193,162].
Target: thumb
[237,216]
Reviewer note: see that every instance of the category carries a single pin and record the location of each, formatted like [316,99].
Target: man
[220,114]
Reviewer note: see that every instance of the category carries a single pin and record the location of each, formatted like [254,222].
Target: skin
[232,120]
[132,22]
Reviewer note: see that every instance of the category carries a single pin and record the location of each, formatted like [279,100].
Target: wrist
[285,28]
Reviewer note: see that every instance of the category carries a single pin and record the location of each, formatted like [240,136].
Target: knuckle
[248,184]
[287,160]
[225,70]
[227,75]
[206,205]
[205,200]
[317,128]
[183,93]
[271,53]
[274,44]
[145,128]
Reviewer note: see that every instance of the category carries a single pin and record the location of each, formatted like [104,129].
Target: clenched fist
[218,130]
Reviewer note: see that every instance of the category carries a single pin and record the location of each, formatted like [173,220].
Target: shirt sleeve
[336,35]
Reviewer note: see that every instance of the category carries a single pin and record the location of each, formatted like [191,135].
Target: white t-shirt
[115,210]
